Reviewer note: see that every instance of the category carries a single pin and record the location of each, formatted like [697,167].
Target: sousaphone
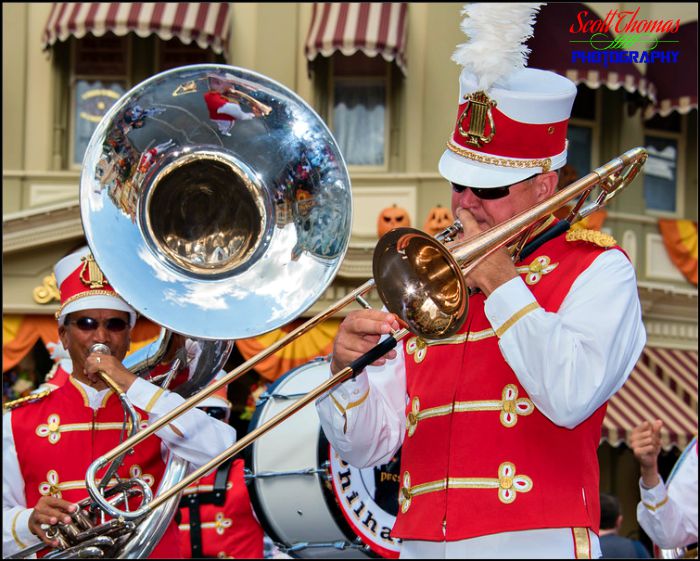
[216,201]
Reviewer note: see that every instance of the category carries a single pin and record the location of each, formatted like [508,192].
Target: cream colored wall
[269,38]
[264,38]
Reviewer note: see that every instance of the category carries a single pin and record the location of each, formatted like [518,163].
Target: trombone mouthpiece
[100,348]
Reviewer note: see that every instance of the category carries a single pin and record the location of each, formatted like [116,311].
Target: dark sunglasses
[488,194]
[114,325]
[218,413]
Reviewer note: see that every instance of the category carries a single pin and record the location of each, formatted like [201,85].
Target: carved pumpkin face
[390,218]
[438,219]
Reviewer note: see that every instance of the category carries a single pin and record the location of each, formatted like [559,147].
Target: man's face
[521,196]
[77,338]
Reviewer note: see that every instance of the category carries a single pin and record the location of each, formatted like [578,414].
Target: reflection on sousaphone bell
[190,190]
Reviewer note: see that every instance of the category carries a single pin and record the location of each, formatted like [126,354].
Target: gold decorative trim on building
[47,292]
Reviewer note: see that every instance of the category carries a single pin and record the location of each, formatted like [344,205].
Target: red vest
[227,529]
[478,458]
[58,437]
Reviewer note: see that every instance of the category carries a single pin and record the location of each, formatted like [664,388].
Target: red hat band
[481,127]
[86,280]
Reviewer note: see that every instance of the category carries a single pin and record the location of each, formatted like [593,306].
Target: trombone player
[49,442]
[499,424]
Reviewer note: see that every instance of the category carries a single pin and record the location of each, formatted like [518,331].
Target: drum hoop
[323,452]
[332,501]
[255,500]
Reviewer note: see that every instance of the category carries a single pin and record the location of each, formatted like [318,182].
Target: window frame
[680,138]
[385,79]
[73,79]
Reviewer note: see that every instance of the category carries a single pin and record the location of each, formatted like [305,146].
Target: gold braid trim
[593,236]
[83,295]
[545,163]
[26,399]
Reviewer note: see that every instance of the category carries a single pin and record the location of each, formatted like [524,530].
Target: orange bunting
[315,343]
[20,334]
[681,242]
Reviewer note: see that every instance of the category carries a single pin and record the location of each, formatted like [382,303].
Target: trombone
[420,280]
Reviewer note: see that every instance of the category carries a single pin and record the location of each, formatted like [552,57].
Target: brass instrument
[409,256]
[215,264]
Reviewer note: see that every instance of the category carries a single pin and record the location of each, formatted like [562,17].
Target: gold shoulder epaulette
[593,236]
[26,399]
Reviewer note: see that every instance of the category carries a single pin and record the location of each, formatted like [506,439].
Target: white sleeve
[670,518]
[572,361]
[198,438]
[15,514]
[364,418]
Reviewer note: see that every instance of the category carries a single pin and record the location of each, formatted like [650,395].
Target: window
[661,173]
[664,169]
[359,112]
[582,133]
[102,69]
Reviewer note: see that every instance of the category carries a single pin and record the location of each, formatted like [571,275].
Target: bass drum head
[308,501]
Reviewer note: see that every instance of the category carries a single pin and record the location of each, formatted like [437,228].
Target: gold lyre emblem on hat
[90,273]
[478,108]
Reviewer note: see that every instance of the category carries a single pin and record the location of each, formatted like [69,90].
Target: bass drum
[308,501]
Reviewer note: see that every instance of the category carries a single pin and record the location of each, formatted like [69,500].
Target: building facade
[382,78]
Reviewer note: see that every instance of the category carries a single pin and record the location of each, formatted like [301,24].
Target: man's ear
[546,185]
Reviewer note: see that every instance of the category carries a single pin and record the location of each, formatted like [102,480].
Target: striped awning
[677,83]
[205,23]
[553,47]
[373,28]
[663,385]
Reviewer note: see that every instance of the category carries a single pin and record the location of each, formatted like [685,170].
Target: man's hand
[645,442]
[49,511]
[494,270]
[111,366]
[359,332]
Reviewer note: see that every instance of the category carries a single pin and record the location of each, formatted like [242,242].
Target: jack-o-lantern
[438,219]
[392,217]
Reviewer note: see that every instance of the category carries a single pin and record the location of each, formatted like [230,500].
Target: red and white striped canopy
[370,27]
[663,385]
[205,23]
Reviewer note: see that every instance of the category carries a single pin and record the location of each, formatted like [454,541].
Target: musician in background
[499,424]
[216,518]
[667,513]
[50,440]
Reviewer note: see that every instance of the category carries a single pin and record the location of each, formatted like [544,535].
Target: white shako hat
[83,286]
[511,120]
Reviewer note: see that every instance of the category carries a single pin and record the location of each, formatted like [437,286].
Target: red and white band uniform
[49,443]
[668,513]
[227,526]
[490,419]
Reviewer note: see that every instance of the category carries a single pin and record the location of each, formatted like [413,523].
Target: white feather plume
[496,34]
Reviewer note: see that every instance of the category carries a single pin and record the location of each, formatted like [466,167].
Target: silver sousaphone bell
[216,201]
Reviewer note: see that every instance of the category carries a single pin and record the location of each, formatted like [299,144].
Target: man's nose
[467,199]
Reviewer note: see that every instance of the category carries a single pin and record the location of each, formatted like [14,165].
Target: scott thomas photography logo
[623,37]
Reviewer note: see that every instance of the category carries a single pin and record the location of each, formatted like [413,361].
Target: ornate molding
[27,229]
[47,292]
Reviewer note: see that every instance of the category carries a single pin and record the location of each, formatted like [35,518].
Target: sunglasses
[218,413]
[115,325]
[489,194]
